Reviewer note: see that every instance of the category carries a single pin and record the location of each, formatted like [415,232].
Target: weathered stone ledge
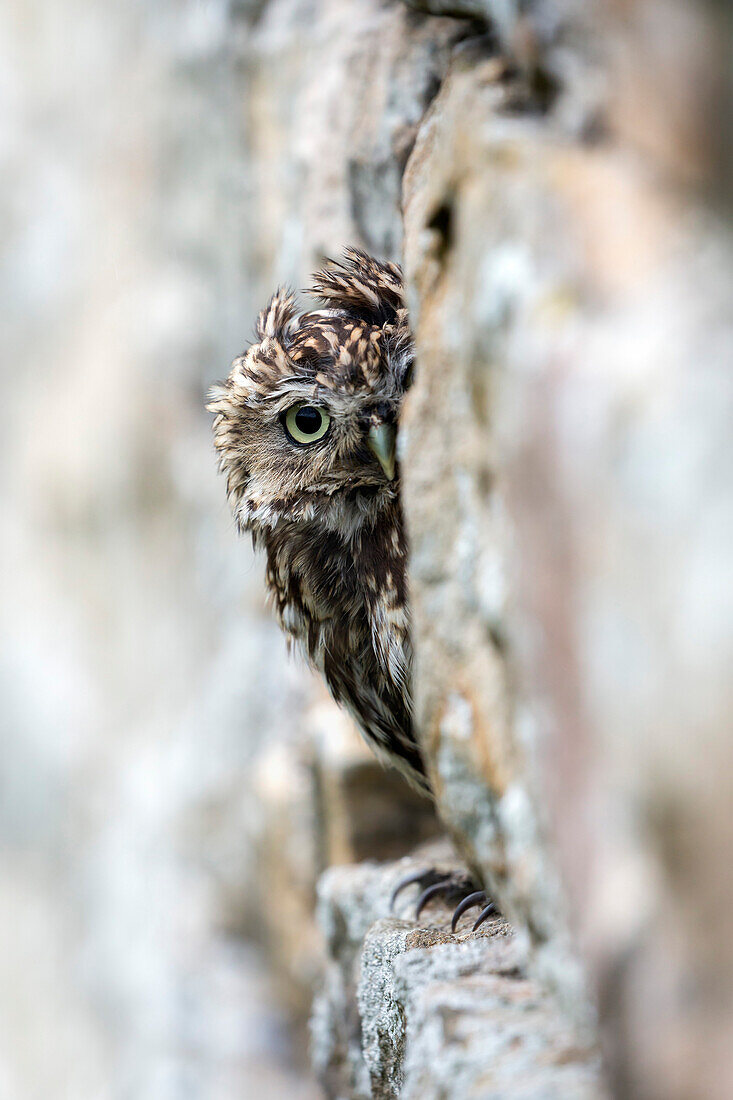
[408,1010]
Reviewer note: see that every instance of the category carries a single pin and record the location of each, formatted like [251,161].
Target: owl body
[305,428]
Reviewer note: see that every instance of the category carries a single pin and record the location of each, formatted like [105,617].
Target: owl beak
[382,440]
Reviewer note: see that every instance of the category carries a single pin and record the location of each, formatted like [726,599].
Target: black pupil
[308,420]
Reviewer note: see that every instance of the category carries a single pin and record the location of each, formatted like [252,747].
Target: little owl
[306,427]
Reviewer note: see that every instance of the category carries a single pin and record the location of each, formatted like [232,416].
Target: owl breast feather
[343,602]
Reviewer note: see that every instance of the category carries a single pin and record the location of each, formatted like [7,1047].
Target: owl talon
[424,878]
[478,897]
[485,912]
[452,887]
[431,892]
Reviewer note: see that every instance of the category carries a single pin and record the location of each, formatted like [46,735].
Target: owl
[305,427]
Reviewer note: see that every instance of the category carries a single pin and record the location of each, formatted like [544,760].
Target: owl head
[305,425]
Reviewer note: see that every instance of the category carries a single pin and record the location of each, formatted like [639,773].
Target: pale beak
[382,440]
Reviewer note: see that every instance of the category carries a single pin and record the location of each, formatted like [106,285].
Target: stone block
[570,290]
[409,1010]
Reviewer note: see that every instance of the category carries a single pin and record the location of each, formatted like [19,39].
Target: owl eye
[306,423]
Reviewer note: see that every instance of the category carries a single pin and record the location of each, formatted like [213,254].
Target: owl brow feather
[276,318]
[361,287]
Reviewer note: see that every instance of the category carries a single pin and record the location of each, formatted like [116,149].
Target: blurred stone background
[556,178]
[133,631]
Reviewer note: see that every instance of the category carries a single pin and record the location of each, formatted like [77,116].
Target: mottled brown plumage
[305,427]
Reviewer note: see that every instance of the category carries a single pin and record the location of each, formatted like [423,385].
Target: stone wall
[564,230]
[571,282]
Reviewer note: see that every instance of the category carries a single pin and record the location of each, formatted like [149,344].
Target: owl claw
[469,902]
[431,892]
[424,878]
[485,912]
[453,887]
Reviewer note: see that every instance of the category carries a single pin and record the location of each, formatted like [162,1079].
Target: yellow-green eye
[306,423]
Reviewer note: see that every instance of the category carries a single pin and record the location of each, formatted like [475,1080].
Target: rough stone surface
[333,93]
[350,900]
[571,291]
[413,1011]
[321,800]
[478,1028]
[461,565]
